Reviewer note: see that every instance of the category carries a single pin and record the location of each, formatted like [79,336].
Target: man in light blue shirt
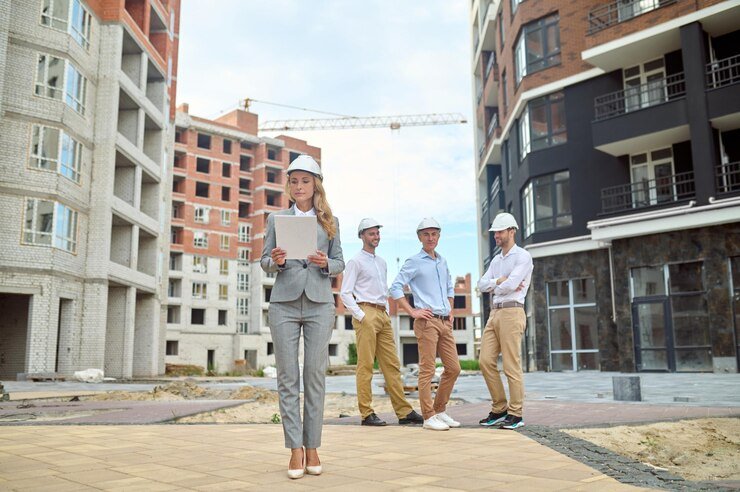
[429,279]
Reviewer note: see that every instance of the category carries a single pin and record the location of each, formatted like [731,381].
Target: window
[243,210]
[348,323]
[173,315]
[223,266]
[200,264]
[504,93]
[49,223]
[501,34]
[50,76]
[174,287]
[201,189]
[222,317]
[244,233]
[242,306]
[505,162]
[245,145]
[204,141]
[242,282]
[223,292]
[75,89]
[197,316]
[201,214]
[245,163]
[542,124]
[74,20]
[226,146]
[242,327]
[332,350]
[225,170]
[272,154]
[54,150]
[172,347]
[546,203]
[268,294]
[652,178]
[270,348]
[459,302]
[573,324]
[225,193]
[176,262]
[225,217]
[225,242]
[243,256]
[460,323]
[200,239]
[200,290]
[538,46]
[202,165]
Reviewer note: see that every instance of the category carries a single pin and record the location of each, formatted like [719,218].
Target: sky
[381,57]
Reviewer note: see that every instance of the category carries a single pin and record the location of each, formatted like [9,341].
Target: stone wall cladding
[713,246]
[594,264]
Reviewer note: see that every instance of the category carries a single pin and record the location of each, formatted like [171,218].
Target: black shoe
[411,418]
[493,419]
[373,420]
[512,422]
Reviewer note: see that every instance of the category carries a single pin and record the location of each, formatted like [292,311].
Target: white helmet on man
[367,223]
[503,221]
[306,163]
[428,223]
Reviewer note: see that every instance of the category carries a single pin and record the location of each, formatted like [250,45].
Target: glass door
[735,286]
[652,332]
[652,177]
[644,85]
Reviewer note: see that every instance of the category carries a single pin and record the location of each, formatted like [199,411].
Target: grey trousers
[316,320]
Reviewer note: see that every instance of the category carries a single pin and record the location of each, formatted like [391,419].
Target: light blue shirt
[430,282]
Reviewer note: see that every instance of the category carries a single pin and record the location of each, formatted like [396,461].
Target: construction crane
[346,122]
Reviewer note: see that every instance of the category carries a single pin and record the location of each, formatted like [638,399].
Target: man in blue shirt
[429,279]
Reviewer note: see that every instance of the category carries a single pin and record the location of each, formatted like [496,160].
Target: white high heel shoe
[297,473]
[313,470]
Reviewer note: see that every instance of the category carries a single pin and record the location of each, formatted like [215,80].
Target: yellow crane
[346,122]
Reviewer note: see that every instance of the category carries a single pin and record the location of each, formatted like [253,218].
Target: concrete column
[703,147]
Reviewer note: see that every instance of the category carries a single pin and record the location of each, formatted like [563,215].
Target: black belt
[508,304]
[443,318]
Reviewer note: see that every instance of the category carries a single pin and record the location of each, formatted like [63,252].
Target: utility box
[626,388]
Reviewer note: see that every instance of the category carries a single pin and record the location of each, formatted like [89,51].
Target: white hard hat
[367,223]
[503,221]
[306,163]
[428,223]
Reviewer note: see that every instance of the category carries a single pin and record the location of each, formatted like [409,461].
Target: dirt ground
[260,406]
[703,449]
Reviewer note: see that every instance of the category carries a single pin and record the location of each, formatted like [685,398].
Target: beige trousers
[435,337]
[374,337]
[503,335]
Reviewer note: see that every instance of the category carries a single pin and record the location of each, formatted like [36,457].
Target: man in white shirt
[507,279]
[365,294]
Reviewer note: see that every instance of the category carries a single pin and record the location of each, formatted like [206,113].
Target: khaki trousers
[435,337]
[503,335]
[374,337]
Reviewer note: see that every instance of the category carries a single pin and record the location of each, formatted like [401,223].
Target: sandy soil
[260,406]
[703,449]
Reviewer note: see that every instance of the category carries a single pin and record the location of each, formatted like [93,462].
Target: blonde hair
[320,205]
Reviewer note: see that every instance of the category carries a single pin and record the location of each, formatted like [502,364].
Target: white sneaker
[434,423]
[447,419]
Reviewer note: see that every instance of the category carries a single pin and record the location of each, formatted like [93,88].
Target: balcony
[648,193]
[724,72]
[615,12]
[492,127]
[641,96]
[490,81]
[722,77]
[649,115]
[727,178]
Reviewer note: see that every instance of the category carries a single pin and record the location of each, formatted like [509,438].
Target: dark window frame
[549,58]
[532,185]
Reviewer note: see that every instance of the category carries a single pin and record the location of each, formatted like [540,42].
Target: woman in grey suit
[301,299]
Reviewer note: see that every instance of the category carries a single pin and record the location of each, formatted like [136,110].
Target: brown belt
[371,304]
[507,304]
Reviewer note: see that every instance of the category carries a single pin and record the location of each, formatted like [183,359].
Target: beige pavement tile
[573,474]
[375,474]
[362,486]
[415,480]
[132,483]
[468,483]
[429,488]
[93,477]
[39,483]
[536,485]
[234,473]
[390,456]
[500,477]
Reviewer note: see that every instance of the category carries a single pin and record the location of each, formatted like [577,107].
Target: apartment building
[86,111]
[227,180]
[610,129]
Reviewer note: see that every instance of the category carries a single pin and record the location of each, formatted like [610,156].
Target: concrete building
[610,129]
[226,182]
[86,106]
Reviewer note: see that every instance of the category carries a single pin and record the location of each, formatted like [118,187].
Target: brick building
[610,130]
[86,112]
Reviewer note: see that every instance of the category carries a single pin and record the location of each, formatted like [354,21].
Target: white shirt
[365,279]
[517,267]
[301,213]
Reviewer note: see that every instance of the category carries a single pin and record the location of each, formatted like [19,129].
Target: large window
[56,77]
[243,257]
[200,290]
[68,16]
[573,325]
[54,150]
[244,233]
[200,264]
[546,203]
[49,223]
[538,46]
[242,281]
[201,214]
[542,124]
[242,306]
[200,239]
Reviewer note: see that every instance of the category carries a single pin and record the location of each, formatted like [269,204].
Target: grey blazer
[298,276]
